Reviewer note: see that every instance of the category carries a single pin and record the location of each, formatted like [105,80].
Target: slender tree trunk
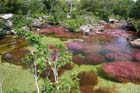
[36,78]
[36,83]
[0,87]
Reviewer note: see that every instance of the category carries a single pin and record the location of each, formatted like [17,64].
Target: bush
[21,20]
[74,24]
[87,78]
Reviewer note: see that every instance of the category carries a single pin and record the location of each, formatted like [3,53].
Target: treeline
[101,8]
[72,13]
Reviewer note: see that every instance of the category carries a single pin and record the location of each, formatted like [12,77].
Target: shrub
[88,78]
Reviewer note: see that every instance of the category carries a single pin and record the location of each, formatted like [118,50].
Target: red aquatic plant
[123,71]
[87,78]
[94,59]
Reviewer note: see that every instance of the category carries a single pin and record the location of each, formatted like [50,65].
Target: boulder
[86,29]
[135,43]
[123,71]
[6,16]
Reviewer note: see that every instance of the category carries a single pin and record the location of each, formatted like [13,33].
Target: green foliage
[21,6]
[104,8]
[64,85]
[136,23]
[58,11]
[3,24]
[21,20]
[43,56]
[74,24]
[135,12]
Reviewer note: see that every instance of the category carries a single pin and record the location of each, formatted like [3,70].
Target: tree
[43,56]
[135,12]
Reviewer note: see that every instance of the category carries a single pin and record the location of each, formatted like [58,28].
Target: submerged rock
[15,56]
[123,71]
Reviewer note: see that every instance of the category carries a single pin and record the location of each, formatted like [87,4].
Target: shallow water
[95,49]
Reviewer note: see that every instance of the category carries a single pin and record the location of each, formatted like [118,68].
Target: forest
[69,46]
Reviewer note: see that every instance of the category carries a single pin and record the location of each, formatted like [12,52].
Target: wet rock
[123,71]
[112,20]
[86,29]
[135,43]
[15,56]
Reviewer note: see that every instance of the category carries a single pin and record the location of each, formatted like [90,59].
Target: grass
[14,77]
[103,83]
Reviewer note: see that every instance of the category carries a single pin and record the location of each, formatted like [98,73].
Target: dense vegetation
[70,14]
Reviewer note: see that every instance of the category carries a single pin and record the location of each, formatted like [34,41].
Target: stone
[86,29]
[15,56]
[122,71]
[135,43]
[6,16]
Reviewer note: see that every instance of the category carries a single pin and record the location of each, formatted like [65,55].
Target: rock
[9,24]
[6,16]
[123,71]
[135,43]
[102,22]
[15,56]
[112,20]
[26,28]
[86,29]
[129,26]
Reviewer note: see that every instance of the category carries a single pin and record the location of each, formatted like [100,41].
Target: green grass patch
[14,77]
